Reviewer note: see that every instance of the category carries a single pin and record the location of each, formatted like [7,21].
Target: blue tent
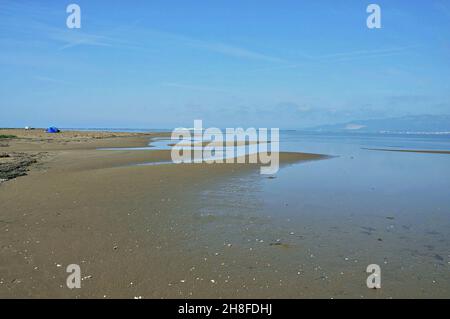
[52,129]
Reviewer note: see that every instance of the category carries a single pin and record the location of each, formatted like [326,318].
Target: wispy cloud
[192,87]
[47,79]
[79,38]
[349,56]
[30,19]
[366,53]
[238,52]
[219,47]
[20,18]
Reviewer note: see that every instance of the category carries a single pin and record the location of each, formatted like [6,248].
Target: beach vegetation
[3,136]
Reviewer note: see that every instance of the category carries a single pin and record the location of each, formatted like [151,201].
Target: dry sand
[130,228]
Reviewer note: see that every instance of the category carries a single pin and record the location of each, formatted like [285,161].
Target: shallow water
[209,153]
[313,228]
[321,223]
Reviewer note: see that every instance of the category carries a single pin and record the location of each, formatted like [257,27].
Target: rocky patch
[15,164]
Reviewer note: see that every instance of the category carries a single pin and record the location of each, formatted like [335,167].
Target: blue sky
[162,64]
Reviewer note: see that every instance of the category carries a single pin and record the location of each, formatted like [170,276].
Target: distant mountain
[407,124]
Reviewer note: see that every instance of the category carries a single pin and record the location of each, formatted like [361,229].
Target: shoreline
[23,149]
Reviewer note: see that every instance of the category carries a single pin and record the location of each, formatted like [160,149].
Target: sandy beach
[222,150]
[132,229]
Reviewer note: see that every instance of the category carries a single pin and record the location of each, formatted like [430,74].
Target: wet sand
[132,229]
